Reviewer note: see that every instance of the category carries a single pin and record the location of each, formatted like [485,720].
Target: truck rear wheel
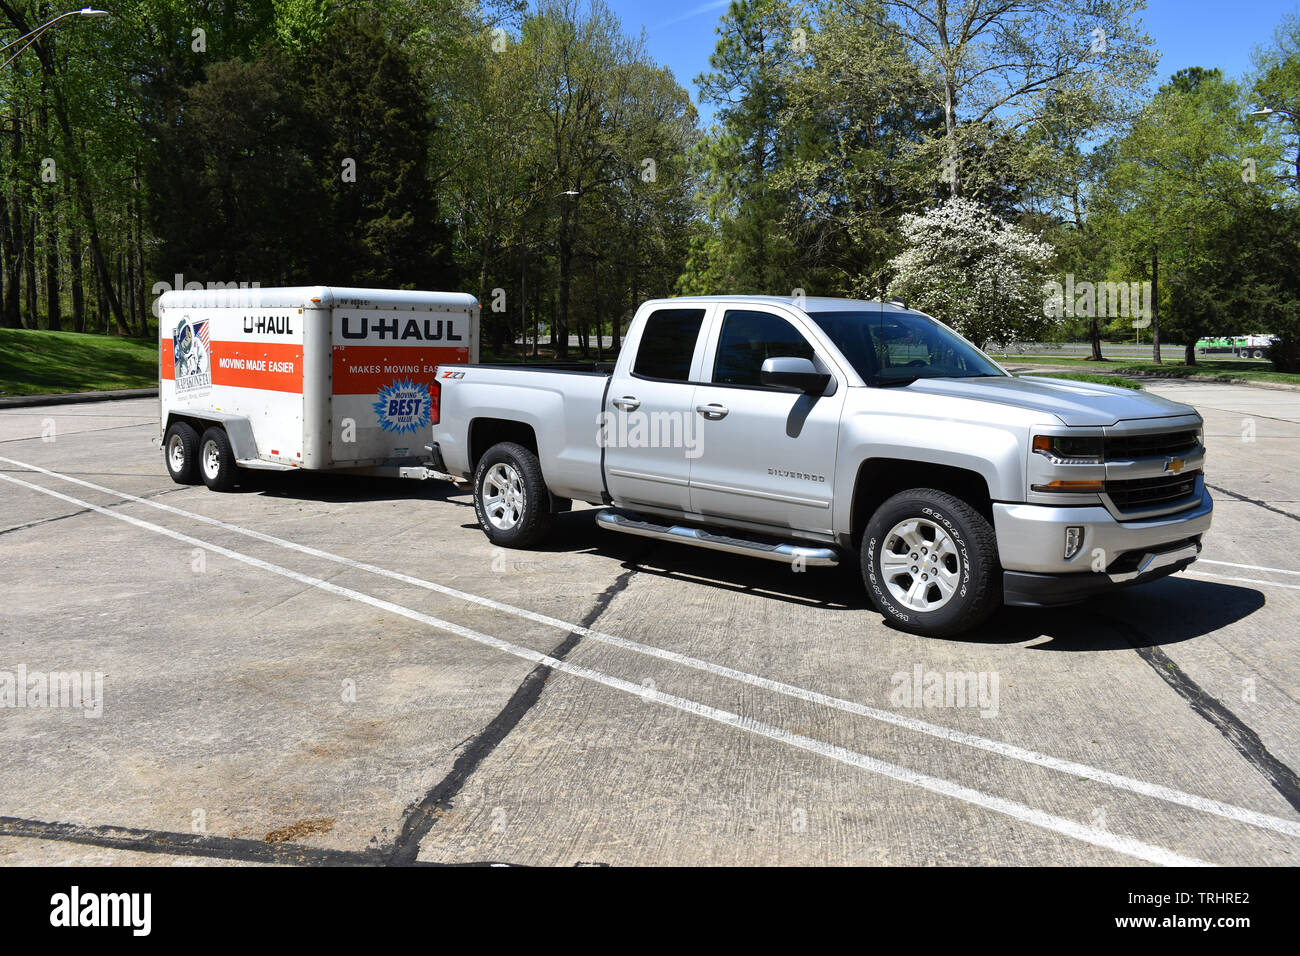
[217,465]
[181,453]
[511,500]
[930,563]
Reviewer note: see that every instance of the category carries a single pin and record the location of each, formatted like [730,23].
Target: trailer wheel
[181,453]
[511,500]
[217,460]
[930,563]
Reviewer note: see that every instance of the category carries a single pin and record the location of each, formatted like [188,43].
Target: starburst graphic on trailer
[403,407]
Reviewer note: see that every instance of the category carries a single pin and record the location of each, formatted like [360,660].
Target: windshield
[888,347]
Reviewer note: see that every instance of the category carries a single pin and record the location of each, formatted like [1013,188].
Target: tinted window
[749,338]
[668,343]
[889,347]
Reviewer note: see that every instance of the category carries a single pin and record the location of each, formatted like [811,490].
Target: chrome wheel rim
[176,454]
[211,459]
[920,564]
[503,496]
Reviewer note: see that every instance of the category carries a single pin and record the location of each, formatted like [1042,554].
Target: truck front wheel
[217,464]
[181,452]
[930,563]
[511,500]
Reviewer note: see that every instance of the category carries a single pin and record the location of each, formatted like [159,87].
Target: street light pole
[1281,111]
[27,39]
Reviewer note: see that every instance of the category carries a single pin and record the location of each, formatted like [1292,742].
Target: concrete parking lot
[330,670]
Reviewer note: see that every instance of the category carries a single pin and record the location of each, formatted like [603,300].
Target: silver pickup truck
[811,430]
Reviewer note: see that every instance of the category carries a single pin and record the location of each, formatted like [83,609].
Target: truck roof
[303,296]
[805,303]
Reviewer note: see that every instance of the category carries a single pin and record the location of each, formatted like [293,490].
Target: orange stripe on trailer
[167,359]
[365,369]
[263,365]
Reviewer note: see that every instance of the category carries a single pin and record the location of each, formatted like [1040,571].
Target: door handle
[627,403]
[713,412]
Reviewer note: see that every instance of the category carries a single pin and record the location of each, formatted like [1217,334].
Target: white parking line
[1224,577]
[1001,748]
[1018,811]
[1248,567]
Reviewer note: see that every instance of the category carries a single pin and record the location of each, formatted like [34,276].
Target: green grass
[38,363]
[1218,369]
[1085,377]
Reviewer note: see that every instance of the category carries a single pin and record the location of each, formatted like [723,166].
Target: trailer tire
[181,453]
[217,465]
[511,501]
[950,581]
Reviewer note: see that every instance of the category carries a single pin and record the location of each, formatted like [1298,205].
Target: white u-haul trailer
[312,377]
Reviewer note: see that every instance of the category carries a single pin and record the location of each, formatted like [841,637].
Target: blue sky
[1210,33]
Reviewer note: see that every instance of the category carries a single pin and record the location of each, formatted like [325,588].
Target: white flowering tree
[974,271]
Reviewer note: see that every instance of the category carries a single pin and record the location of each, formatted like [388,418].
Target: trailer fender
[238,429]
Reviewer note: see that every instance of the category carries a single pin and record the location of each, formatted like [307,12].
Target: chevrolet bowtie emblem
[1175,465]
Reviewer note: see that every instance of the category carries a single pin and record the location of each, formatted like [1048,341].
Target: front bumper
[1113,554]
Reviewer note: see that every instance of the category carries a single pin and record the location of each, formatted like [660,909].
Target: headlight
[1069,450]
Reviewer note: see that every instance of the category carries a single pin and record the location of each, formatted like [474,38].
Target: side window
[668,344]
[748,339]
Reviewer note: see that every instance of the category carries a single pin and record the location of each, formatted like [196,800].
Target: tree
[752,252]
[580,61]
[857,114]
[1192,162]
[1276,88]
[998,63]
[309,168]
[975,271]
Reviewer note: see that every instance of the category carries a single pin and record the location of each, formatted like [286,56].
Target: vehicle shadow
[1168,611]
[336,488]
[837,587]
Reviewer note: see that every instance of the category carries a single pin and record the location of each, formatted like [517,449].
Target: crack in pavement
[1253,501]
[197,844]
[421,818]
[80,511]
[1234,730]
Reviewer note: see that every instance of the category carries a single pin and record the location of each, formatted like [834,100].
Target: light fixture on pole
[27,39]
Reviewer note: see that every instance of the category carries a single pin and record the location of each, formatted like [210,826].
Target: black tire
[216,460]
[526,516]
[978,576]
[181,453]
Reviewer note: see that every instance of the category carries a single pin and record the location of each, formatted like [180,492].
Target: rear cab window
[667,345]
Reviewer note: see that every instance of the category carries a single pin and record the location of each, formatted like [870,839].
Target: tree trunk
[73,157]
[1094,336]
[9,279]
[75,266]
[33,319]
[949,103]
[53,292]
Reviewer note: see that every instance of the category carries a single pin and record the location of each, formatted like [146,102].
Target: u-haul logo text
[426,330]
[268,324]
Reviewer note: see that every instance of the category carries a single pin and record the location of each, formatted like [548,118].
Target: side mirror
[799,373]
